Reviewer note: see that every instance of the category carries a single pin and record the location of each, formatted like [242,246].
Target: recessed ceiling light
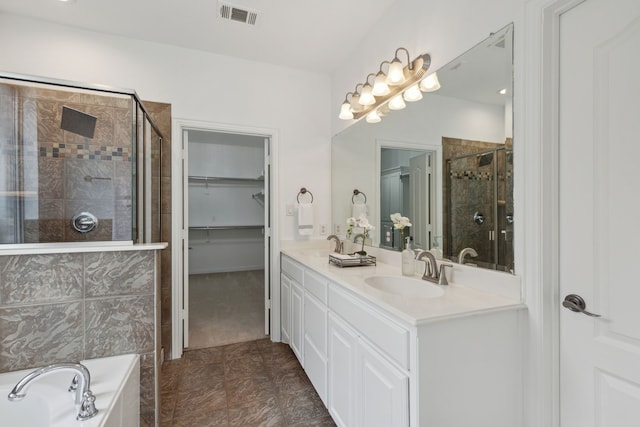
[67,1]
[503,91]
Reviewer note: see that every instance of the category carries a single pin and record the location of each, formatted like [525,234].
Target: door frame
[177,220]
[537,83]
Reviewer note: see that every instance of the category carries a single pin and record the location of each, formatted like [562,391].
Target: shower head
[78,122]
[485,159]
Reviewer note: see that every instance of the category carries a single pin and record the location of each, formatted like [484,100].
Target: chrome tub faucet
[84,395]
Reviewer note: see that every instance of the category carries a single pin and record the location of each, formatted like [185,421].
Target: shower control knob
[478,218]
[84,222]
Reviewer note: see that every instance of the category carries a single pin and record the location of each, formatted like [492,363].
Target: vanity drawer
[386,335]
[292,268]
[316,285]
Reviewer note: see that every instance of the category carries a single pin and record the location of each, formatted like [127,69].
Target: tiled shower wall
[55,162]
[74,306]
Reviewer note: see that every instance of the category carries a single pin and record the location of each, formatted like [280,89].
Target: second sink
[404,286]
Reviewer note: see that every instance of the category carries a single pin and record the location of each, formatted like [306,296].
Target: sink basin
[404,286]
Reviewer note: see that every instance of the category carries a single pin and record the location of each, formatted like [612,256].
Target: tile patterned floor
[251,384]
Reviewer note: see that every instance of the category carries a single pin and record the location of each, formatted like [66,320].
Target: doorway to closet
[226,256]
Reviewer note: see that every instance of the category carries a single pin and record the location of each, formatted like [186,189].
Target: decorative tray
[352,260]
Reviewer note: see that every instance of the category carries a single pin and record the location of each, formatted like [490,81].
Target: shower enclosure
[78,162]
[480,208]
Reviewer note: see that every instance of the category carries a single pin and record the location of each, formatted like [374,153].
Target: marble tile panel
[301,406]
[51,178]
[51,208]
[256,387]
[49,119]
[170,374]
[37,335]
[168,399]
[122,219]
[166,195]
[323,421]
[205,356]
[291,380]
[243,367]
[195,377]
[207,398]
[242,349]
[257,413]
[206,418]
[78,187]
[123,180]
[118,273]
[148,388]
[119,326]
[40,278]
[122,127]
[101,233]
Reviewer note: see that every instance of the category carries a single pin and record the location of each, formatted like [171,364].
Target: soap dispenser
[408,259]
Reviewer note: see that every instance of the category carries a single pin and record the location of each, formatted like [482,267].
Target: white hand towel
[359,209]
[305,219]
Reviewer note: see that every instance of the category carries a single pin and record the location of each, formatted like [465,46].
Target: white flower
[399,221]
[351,221]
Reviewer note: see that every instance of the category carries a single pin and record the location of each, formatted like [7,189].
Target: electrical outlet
[290,210]
[323,229]
[338,229]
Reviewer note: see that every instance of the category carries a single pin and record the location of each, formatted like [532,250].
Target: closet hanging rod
[221,178]
[226,227]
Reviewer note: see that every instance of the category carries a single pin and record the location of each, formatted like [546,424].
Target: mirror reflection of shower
[479,208]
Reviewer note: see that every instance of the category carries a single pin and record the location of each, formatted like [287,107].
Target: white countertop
[484,293]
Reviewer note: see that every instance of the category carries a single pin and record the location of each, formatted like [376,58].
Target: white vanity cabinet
[374,367]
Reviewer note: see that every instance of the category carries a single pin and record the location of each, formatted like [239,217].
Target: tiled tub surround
[54,162]
[83,304]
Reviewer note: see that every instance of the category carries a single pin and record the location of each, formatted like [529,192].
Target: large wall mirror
[445,162]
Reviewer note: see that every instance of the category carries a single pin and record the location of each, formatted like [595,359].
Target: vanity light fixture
[430,83]
[389,91]
[366,96]
[373,117]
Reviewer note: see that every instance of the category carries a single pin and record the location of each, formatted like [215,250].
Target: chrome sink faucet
[466,251]
[431,272]
[84,396]
[339,245]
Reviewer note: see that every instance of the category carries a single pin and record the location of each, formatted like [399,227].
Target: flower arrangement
[399,223]
[361,222]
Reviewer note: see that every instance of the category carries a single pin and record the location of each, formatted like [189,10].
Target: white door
[420,180]
[267,235]
[599,199]
[342,353]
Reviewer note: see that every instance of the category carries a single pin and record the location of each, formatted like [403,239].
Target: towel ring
[304,191]
[357,192]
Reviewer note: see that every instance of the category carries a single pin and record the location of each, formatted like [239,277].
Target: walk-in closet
[226,182]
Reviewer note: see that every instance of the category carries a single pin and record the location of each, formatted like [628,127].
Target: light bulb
[356,107]
[345,111]
[373,117]
[366,97]
[380,87]
[396,73]
[413,93]
[397,103]
[430,83]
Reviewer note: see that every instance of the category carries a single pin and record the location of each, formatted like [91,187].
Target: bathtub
[115,382]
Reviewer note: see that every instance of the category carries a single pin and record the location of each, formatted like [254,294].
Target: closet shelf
[225,227]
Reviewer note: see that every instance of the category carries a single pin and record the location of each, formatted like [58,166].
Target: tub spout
[84,396]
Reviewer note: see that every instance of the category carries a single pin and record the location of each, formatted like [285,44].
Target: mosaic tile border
[84,151]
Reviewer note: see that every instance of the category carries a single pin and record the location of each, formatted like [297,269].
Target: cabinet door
[384,393]
[285,308]
[342,358]
[297,321]
[315,344]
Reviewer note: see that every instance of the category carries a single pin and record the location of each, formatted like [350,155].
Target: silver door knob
[575,303]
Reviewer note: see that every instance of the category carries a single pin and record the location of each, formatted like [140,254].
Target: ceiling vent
[238,14]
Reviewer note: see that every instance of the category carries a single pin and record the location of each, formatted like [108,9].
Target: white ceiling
[316,35]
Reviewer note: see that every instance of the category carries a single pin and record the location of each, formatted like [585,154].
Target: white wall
[199,86]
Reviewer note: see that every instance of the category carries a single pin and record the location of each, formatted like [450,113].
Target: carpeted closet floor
[225,308]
